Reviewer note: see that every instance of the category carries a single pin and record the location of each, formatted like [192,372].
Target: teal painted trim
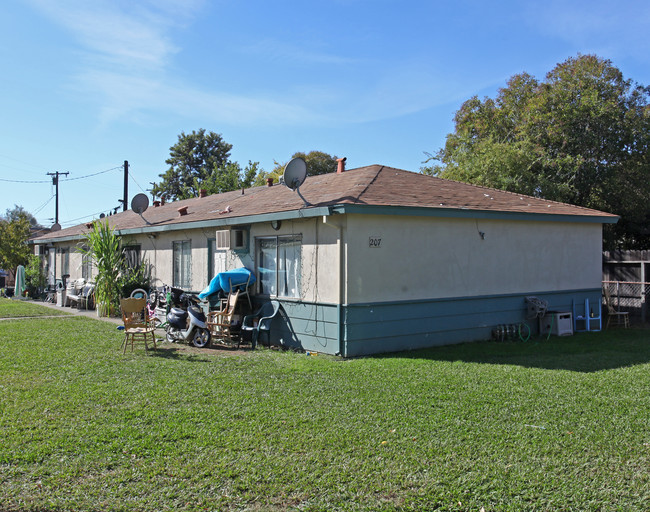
[303,213]
[243,222]
[232,221]
[372,328]
[466,213]
[45,241]
[307,326]
[474,297]
[353,330]
[339,325]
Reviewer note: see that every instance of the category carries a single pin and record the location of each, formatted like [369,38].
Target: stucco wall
[319,255]
[424,258]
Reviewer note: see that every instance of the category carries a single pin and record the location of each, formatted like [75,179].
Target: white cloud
[124,35]
[138,97]
[130,72]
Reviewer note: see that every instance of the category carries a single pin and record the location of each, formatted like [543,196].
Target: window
[65,262]
[182,264]
[86,266]
[132,256]
[278,266]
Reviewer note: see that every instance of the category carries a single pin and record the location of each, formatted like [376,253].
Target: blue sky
[87,84]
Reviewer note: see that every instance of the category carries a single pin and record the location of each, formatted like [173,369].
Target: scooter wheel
[201,338]
[170,336]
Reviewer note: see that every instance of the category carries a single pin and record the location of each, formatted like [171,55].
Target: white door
[219,261]
[51,267]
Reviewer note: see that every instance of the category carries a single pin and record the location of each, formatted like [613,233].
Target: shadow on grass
[584,352]
[174,353]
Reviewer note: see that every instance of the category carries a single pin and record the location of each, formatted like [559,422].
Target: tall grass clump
[105,248]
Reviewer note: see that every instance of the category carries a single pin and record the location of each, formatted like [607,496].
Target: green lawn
[562,424]
[12,308]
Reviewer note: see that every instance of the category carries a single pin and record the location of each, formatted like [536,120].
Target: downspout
[338,224]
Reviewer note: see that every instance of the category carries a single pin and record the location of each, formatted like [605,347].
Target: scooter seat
[178,312]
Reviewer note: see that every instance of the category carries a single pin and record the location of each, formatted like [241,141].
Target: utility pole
[125,202]
[55,182]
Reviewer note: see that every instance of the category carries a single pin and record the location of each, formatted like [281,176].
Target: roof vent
[269,182]
[203,193]
[182,211]
[341,166]
[156,204]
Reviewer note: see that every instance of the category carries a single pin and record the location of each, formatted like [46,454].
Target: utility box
[559,323]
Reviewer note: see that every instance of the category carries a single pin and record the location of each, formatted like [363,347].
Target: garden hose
[520,335]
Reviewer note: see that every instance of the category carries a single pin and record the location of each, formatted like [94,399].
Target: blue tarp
[224,280]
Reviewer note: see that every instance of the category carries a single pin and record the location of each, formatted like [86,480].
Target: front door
[51,267]
[219,261]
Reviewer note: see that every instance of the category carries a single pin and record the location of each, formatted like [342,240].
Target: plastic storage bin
[560,323]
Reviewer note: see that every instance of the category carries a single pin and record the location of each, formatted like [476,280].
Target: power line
[65,179]
[24,181]
[43,205]
[139,186]
[94,174]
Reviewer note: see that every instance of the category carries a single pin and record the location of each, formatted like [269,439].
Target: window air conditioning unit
[223,239]
[235,239]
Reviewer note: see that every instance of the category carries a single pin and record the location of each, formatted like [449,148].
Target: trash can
[60,294]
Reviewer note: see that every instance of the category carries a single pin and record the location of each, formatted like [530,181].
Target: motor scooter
[188,324]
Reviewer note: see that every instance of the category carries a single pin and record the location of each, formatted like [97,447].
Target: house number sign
[374,242]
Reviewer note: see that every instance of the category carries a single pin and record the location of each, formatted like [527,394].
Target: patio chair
[86,297]
[261,321]
[220,322]
[136,324]
[73,292]
[620,317]
[588,318]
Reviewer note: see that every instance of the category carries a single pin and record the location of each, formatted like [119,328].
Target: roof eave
[302,213]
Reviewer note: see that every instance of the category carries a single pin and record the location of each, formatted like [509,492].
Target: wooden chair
[620,317]
[220,322]
[136,324]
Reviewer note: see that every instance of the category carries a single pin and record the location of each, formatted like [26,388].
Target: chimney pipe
[182,211]
[269,182]
[202,193]
[341,166]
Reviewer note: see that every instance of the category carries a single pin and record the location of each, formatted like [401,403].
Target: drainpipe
[338,224]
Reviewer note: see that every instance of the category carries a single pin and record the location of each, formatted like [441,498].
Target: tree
[230,176]
[14,233]
[192,159]
[19,211]
[581,136]
[318,162]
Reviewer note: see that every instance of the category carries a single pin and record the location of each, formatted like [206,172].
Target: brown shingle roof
[374,185]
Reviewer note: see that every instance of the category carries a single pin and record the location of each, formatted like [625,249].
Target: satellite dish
[140,203]
[295,173]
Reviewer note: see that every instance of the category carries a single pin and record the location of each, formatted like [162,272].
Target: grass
[547,425]
[14,308]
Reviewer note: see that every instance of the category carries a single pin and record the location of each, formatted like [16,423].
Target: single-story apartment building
[374,259]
